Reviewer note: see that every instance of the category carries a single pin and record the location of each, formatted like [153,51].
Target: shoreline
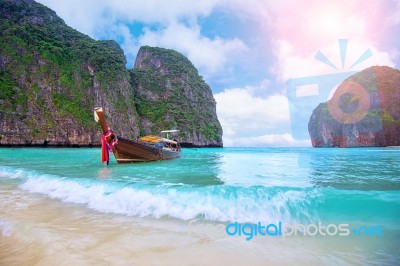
[187,146]
[183,145]
[63,206]
[35,229]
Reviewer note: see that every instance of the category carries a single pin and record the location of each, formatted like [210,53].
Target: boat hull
[127,151]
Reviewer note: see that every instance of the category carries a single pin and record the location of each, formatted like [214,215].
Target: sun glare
[331,25]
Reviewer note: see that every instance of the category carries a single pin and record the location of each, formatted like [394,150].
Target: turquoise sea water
[359,186]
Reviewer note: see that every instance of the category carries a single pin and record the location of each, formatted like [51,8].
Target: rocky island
[381,124]
[52,76]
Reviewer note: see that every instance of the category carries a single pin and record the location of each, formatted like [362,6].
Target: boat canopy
[152,139]
[169,141]
[170,131]
[156,139]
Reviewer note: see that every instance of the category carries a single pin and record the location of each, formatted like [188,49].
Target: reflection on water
[357,168]
[197,167]
[265,167]
[104,173]
[353,169]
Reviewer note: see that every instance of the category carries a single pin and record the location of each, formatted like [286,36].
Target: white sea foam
[213,203]
[10,173]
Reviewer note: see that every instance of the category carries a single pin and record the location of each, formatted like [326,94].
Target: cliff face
[169,94]
[51,78]
[342,122]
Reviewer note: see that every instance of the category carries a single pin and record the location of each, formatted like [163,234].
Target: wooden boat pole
[102,120]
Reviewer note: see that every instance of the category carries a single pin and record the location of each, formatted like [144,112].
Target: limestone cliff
[52,76]
[169,94]
[378,126]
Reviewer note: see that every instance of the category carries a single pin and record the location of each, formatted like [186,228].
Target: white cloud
[395,56]
[85,16]
[170,24]
[159,11]
[209,55]
[240,110]
[394,18]
[129,44]
[291,63]
[296,33]
[250,120]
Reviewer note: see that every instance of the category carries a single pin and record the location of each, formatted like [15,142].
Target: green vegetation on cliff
[51,77]
[36,45]
[170,93]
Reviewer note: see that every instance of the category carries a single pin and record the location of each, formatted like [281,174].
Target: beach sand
[36,230]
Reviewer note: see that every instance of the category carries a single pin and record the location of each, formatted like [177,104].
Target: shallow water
[61,206]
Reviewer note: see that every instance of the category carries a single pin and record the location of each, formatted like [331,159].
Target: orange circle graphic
[359,94]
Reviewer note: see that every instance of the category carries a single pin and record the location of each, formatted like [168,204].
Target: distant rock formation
[52,76]
[342,122]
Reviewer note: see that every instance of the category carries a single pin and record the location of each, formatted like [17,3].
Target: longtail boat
[145,149]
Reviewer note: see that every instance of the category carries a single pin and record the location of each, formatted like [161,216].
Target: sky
[247,51]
